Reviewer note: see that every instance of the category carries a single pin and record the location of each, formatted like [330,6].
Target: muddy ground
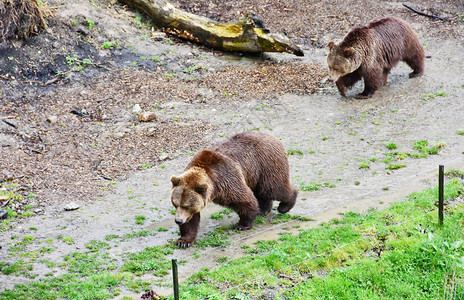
[115,167]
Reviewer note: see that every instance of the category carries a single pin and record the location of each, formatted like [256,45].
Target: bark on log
[245,35]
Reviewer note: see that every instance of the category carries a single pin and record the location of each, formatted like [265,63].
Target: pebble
[71,206]
[163,156]
[158,35]
[119,135]
[136,109]
[52,119]
[147,116]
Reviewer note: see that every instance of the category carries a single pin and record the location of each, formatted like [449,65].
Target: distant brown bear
[244,173]
[371,51]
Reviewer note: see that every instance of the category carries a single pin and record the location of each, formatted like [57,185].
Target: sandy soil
[116,168]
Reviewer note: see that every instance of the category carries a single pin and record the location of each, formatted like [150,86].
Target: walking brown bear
[244,173]
[371,51]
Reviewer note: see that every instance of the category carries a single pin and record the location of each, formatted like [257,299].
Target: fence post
[440,193]
[175,279]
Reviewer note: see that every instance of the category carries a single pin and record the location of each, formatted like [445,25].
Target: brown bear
[370,52]
[244,173]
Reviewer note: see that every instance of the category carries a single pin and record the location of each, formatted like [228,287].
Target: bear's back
[256,154]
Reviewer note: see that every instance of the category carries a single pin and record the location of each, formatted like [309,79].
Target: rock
[52,119]
[119,135]
[163,156]
[158,35]
[147,116]
[82,30]
[136,109]
[71,206]
[3,214]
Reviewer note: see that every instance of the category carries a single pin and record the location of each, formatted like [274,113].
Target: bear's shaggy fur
[371,51]
[244,173]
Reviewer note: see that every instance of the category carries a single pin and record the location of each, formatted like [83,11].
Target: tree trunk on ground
[247,35]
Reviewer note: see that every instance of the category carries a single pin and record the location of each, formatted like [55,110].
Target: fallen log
[246,35]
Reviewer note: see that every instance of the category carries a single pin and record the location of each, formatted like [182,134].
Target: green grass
[140,220]
[364,165]
[152,260]
[422,148]
[391,146]
[67,239]
[455,173]
[109,44]
[91,274]
[283,218]
[216,238]
[294,152]
[137,234]
[220,215]
[396,253]
[395,166]
[314,186]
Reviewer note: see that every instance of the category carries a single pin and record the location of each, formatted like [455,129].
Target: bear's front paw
[184,243]
[341,88]
[415,74]
[243,227]
[285,207]
[363,96]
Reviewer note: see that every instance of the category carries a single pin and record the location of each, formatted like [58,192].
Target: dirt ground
[115,167]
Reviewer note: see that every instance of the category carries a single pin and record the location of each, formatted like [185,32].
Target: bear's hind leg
[246,206]
[265,205]
[417,65]
[386,71]
[287,201]
[188,232]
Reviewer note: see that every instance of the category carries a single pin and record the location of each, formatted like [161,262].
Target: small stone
[158,35]
[82,30]
[52,119]
[163,156]
[71,206]
[3,214]
[119,135]
[147,116]
[136,109]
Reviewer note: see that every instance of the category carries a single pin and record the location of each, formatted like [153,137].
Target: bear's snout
[179,221]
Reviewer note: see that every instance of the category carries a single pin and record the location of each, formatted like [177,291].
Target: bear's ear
[349,52]
[201,188]
[175,180]
[331,45]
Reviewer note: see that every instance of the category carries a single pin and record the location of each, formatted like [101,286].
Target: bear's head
[342,61]
[190,193]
